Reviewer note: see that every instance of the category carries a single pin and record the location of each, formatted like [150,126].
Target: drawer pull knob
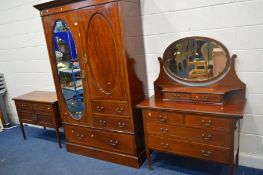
[164,130]
[121,124]
[206,153]
[207,137]
[102,122]
[165,145]
[207,123]
[163,118]
[119,110]
[99,108]
[80,136]
[91,135]
[114,143]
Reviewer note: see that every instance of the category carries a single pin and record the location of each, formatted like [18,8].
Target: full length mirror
[68,68]
[196,59]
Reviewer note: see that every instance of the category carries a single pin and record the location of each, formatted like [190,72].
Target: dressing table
[197,105]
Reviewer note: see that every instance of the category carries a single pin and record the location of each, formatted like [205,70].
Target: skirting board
[250,160]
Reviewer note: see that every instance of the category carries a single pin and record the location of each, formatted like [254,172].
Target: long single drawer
[121,109]
[172,118]
[101,139]
[202,121]
[115,123]
[204,136]
[23,105]
[218,154]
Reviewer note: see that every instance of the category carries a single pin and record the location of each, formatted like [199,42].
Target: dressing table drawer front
[218,154]
[42,107]
[199,121]
[207,98]
[204,136]
[25,116]
[176,96]
[101,139]
[112,123]
[164,117]
[121,109]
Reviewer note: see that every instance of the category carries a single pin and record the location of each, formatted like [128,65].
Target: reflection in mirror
[195,59]
[68,69]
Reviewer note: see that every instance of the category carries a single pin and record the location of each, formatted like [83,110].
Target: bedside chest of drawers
[39,108]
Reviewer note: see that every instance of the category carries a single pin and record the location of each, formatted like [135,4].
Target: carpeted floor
[40,155]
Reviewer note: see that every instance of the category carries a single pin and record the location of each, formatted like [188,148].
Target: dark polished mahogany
[111,126]
[39,108]
[195,121]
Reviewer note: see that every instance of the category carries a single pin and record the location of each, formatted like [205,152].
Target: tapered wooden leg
[44,128]
[231,172]
[149,160]
[23,130]
[237,158]
[58,137]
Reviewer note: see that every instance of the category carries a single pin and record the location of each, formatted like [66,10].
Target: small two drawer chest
[39,108]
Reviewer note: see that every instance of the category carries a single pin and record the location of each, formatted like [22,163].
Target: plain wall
[238,24]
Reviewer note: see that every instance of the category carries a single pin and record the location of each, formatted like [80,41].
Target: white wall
[236,23]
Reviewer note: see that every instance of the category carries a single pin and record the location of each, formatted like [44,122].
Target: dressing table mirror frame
[196,81]
[216,90]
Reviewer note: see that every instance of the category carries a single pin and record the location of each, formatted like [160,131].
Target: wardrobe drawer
[112,123]
[207,97]
[172,118]
[200,121]
[110,108]
[23,105]
[218,154]
[205,136]
[42,107]
[102,139]
[176,96]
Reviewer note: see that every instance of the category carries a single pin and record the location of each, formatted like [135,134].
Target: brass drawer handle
[119,110]
[207,123]
[163,118]
[23,105]
[164,130]
[121,124]
[177,95]
[113,143]
[206,153]
[102,122]
[205,98]
[80,136]
[165,145]
[41,107]
[207,137]
[99,108]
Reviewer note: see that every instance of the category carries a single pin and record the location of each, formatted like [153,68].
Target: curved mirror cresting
[69,72]
[195,59]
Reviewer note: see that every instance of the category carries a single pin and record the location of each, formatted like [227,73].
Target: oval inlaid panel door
[69,71]
[102,45]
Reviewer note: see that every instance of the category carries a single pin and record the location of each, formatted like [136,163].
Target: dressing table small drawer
[110,108]
[176,96]
[199,121]
[207,97]
[172,118]
[25,115]
[180,147]
[112,123]
[204,136]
